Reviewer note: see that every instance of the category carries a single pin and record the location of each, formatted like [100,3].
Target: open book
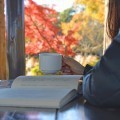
[49,91]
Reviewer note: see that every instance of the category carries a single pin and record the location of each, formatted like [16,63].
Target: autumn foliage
[42,33]
[87,25]
[93,8]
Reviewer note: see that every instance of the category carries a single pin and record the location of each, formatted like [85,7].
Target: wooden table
[78,109]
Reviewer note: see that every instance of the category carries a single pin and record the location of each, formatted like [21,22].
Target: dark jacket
[101,85]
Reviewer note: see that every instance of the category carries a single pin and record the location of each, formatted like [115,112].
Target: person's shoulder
[117,38]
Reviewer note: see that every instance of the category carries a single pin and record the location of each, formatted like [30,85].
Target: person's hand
[71,66]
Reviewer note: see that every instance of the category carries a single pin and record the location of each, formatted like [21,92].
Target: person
[101,83]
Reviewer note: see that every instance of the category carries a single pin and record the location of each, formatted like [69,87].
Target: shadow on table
[79,109]
[100,113]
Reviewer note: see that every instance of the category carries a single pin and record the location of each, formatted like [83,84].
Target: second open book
[50,91]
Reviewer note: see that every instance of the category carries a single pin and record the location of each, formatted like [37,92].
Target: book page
[42,97]
[47,81]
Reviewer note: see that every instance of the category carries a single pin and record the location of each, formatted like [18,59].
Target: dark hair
[113,18]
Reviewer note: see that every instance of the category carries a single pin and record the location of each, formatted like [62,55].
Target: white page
[48,81]
[44,98]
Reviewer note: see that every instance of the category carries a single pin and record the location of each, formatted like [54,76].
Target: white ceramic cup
[50,63]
